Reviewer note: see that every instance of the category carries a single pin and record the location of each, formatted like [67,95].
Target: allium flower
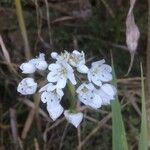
[107,93]
[99,73]
[87,95]
[73,118]
[27,86]
[92,91]
[36,63]
[59,73]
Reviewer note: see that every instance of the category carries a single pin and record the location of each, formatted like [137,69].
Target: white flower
[107,93]
[59,73]
[77,60]
[87,95]
[27,68]
[99,73]
[39,62]
[51,94]
[73,118]
[27,86]
[55,111]
[33,64]
[52,97]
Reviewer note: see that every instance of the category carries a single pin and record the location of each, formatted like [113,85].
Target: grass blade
[119,141]
[143,142]
[22,27]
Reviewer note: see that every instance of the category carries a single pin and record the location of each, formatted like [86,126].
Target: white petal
[73,118]
[31,89]
[48,87]
[33,61]
[55,112]
[29,81]
[97,80]
[90,86]
[98,63]
[96,102]
[54,55]
[27,86]
[21,89]
[71,77]
[44,88]
[109,89]
[41,56]
[67,66]
[27,68]
[84,99]
[105,98]
[52,76]
[60,93]
[51,87]
[54,67]
[105,67]
[61,83]
[82,69]
[51,98]
[89,76]
[45,97]
[80,88]
[42,65]
[76,52]
[105,76]
[91,99]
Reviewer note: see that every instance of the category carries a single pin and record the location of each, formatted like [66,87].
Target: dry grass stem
[13,122]
[31,104]
[63,136]
[28,123]
[36,144]
[93,132]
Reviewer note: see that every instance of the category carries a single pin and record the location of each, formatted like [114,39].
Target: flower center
[63,71]
[84,90]
[95,71]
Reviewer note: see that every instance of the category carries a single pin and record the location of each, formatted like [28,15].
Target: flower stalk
[71,97]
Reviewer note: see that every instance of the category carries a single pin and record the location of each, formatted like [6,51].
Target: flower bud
[27,68]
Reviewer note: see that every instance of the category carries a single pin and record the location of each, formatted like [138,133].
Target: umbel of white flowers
[94,91]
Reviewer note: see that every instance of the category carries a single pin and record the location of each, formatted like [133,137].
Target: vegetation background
[95,26]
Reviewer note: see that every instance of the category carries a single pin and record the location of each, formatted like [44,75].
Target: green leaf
[143,142]
[119,141]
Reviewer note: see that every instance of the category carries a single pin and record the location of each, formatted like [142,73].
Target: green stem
[71,96]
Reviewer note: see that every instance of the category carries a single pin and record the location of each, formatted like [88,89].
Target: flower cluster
[93,90]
